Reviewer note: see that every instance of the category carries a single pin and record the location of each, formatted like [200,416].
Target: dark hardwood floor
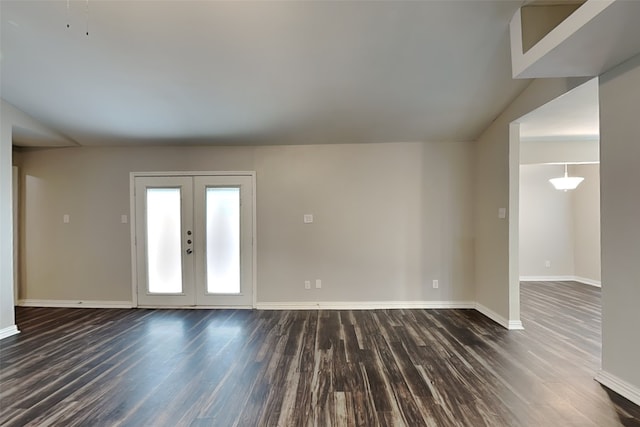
[86,367]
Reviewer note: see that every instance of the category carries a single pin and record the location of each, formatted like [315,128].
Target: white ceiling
[259,72]
[573,116]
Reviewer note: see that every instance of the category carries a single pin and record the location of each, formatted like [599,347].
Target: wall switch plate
[307,219]
[124,219]
[435,284]
[307,284]
[502,213]
[66,218]
[318,283]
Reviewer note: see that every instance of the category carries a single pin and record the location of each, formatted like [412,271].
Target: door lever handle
[189,251]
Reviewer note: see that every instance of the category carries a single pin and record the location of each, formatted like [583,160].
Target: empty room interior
[560,229]
[288,213]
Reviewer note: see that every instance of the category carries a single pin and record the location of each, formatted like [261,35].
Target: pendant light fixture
[566,182]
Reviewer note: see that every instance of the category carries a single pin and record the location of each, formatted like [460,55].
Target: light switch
[308,218]
[124,219]
[502,213]
[66,218]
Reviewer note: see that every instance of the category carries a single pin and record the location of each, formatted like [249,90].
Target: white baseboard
[302,305]
[513,325]
[197,307]
[582,280]
[619,386]
[547,278]
[590,282]
[364,305]
[74,303]
[8,331]
[298,305]
[382,305]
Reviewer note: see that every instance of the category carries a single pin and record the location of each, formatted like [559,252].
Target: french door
[194,240]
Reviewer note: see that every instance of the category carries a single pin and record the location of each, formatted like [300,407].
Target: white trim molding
[619,386]
[547,278]
[590,282]
[74,303]
[579,279]
[8,331]
[196,307]
[512,325]
[299,305]
[515,325]
[391,305]
[364,305]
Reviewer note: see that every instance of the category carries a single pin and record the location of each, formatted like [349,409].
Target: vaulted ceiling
[258,72]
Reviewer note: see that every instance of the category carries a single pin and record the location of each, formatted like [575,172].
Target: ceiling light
[566,182]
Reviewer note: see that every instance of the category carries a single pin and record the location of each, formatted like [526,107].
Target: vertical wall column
[620,228]
[7,315]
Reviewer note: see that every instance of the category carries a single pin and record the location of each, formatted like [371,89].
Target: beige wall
[620,180]
[586,223]
[546,223]
[389,218]
[10,119]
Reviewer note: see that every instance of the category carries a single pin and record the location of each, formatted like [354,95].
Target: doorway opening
[557,235]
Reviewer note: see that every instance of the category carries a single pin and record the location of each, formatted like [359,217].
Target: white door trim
[132,222]
[15,196]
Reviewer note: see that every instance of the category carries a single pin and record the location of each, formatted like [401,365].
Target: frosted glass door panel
[223,240]
[164,251]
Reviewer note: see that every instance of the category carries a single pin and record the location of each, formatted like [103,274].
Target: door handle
[189,251]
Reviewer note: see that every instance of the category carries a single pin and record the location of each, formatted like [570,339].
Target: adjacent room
[560,220]
[219,213]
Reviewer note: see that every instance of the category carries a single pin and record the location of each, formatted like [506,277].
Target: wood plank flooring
[86,367]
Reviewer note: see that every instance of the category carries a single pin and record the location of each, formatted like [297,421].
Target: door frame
[132,223]
[15,194]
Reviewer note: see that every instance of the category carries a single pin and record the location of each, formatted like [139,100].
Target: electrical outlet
[307,284]
[435,284]
[547,263]
[318,283]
